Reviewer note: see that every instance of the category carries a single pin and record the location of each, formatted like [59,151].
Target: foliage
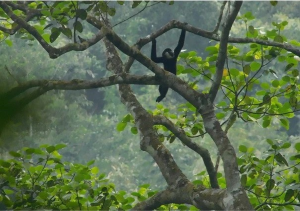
[37,178]
[272,180]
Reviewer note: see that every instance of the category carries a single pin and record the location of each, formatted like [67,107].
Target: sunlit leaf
[121,126]
[243,148]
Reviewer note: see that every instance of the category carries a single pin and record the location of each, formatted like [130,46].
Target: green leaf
[295,42]
[265,85]
[48,25]
[192,53]
[273,3]
[222,104]
[121,126]
[94,170]
[278,38]
[15,154]
[78,26]
[275,83]
[286,145]
[194,130]
[67,32]
[8,42]
[234,72]
[135,4]
[50,149]
[270,142]
[46,37]
[90,162]
[145,186]
[212,50]
[297,146]
[220,115]
[126,118]
[111,11]
[247,69]
[55,32]
[266,98]
[120,2]
[244,180]
[134,130]
[266,123]
[184,55]
[249,16]
[251,29]
[255,66]
[295,72]
[285,123]
[172,139]
[249,58]
[81,13]
[243,148]
[136,194]
[288,195]
[212,58]
[289,66]
[280,159]
[79,177]
[270,184]
[60,146]
[30,151]
[286,78]
[101,176]
[171,2]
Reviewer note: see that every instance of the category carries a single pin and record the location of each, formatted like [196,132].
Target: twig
[146,6]
[220,18]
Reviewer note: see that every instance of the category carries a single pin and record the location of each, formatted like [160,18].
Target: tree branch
[143,120]
[220,18]
[52,51]
[77,84]
[204,153]
[222,54]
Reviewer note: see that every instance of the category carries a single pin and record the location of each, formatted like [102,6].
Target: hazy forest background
[95,125]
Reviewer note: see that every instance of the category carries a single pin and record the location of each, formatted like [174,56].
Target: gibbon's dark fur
[169,59]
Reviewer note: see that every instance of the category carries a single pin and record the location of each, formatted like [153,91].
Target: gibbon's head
[168,53]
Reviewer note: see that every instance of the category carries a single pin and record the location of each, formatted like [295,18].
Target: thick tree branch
[149,139]
[30,14]
[204,153]
[204,199]
[12,101]
[77,84]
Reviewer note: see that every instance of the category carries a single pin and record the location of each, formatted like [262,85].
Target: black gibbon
[169,59]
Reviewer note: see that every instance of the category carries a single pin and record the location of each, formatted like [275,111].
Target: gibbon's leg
[163,91]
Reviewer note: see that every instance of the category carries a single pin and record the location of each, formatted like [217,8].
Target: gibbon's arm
[180,43]
[153,53]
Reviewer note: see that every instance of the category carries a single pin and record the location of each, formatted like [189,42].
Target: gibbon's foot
[160,98]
